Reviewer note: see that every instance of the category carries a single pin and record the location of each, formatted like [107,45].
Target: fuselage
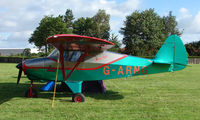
[105,65]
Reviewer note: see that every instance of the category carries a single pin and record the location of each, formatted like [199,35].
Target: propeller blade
[19,75]
[19,66]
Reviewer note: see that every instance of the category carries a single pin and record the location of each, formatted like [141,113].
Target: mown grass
[167,96]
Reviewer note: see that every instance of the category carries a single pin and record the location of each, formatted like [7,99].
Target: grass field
[167,96]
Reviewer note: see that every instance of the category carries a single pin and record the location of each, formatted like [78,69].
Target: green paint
[75,86]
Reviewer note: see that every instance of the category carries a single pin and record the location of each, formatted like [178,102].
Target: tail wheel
[78,97]
[31,95]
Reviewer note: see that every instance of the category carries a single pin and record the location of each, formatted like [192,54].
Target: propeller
[19,66]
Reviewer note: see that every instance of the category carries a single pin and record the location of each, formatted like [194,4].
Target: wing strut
[78,62]
[62,61]
[74,67]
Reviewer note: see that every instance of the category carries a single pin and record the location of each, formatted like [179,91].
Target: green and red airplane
[83,58]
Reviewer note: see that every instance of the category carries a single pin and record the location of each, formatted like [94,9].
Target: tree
[143,33]
[97,26]
[101,25]
[170,25]
[193,48]
[83,26]
[48,26]
[114,39]
[68,18]
[27,52]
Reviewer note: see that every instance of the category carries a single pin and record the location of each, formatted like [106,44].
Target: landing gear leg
[31,92]
[76,90]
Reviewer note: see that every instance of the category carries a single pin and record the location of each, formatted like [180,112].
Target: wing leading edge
[77,42]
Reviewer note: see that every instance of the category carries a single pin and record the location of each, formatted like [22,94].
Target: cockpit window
[72,55]
[54,54]
[68,55]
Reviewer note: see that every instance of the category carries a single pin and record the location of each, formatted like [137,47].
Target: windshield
[54,54]
[68,55]
[72,55]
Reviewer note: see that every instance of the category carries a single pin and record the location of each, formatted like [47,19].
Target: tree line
[193,48]
[143,31]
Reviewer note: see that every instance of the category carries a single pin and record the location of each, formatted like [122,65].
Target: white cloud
[190,24]
[184,10]
[196,23]
[190,37]
[16,40]
[20,18]
[4,36]
[10,23]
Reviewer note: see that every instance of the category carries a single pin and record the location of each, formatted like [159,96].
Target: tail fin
[172,52]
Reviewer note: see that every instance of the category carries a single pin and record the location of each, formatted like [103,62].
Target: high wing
[90,46]
[71,42]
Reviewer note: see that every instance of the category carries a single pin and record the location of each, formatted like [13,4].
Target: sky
[19,18]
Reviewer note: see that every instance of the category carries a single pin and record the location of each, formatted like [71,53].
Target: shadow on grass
[109,95]
[17,77]
[12,90]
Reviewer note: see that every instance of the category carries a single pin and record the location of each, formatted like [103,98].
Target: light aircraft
[83,58]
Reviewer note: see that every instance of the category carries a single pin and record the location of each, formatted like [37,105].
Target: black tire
[34,93]
[78,97]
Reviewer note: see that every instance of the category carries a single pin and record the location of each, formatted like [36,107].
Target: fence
[194,61]
[10,60]
[17,60]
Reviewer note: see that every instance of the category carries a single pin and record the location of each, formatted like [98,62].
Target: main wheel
[78,97]
[34,93]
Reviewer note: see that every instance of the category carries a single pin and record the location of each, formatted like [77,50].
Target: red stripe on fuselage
[32,67]
[52,59]
[102,65]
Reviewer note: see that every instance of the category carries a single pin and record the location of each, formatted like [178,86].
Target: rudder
[172,52]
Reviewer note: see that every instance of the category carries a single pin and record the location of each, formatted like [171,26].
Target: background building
[10,52]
